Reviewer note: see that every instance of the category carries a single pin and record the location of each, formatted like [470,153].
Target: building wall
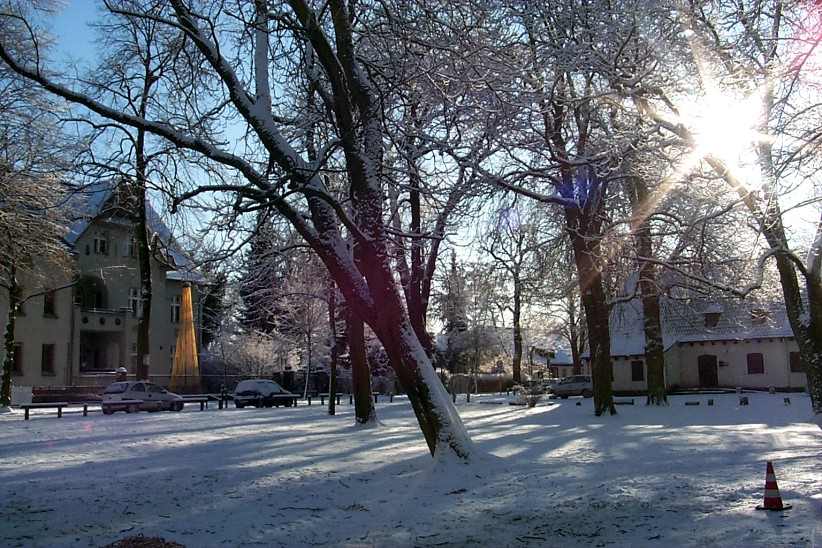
[732,370]
[33,329]
[114,322]
[623,372]
[622,377]
[561,370]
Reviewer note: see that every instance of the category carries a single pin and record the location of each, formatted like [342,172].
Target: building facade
[709,345]
[80,334]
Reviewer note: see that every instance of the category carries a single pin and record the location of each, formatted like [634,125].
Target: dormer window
[759,316]
[100,245]
[712,319]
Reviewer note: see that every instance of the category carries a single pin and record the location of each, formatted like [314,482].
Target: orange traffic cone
[773,501]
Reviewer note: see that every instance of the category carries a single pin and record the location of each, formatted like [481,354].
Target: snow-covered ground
[554,475]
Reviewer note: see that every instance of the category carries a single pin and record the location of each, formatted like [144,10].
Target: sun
[724,125]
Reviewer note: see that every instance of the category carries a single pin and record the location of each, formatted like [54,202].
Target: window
[17,360]
[139,387]
[796,363]
[135,303]
[49,299]
[175,308]
[711,319]
[100,245]
[132,248]
[155,389]
[756,364]
[637,371]
[116,388]
[47,360]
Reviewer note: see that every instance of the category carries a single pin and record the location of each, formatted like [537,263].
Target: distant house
[562,365]
[708,344]
[80,335]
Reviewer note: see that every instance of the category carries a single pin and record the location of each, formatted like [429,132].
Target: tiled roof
[685,322]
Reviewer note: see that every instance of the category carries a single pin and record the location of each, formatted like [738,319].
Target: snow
[554,475]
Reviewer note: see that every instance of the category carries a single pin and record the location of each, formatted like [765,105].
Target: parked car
[260,393]
[576,385]
[549,384]
[133,396]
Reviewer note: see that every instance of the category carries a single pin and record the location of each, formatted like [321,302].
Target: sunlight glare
[724,125]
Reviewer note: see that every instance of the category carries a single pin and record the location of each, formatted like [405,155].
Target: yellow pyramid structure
[185,374]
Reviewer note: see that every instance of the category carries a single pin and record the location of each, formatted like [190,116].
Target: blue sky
[75,40]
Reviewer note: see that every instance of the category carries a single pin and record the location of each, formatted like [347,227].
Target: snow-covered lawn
[555,475]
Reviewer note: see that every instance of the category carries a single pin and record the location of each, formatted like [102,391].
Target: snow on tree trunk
[438,418]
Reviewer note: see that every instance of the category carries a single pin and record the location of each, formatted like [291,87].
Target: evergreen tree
[262,275]
[213,302]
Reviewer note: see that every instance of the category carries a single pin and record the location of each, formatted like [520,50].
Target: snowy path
[555,476]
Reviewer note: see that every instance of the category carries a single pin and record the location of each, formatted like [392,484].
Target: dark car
[260,393]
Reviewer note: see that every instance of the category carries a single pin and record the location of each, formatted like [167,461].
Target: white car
[577,385]
[133,396]
[260,393]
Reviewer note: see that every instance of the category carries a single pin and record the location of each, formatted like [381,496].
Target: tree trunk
[438,418]
[144,259]
[332,322]
[8,341]
[649,294]
[517,361]
[308,364]
[586,256]
[364,412]
[654,350]
[573,336]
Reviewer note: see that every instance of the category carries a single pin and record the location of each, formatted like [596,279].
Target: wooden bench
[338,398]
[58,405]
[202,400]
[85,406]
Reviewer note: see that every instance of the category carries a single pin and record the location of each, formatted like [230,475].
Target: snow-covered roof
[562,356]
[87,204]
[685,322]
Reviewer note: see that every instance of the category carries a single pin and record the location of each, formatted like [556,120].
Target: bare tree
[276,173]
[515,241]
[34,260]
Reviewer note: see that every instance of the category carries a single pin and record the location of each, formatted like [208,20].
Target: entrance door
[707,371]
